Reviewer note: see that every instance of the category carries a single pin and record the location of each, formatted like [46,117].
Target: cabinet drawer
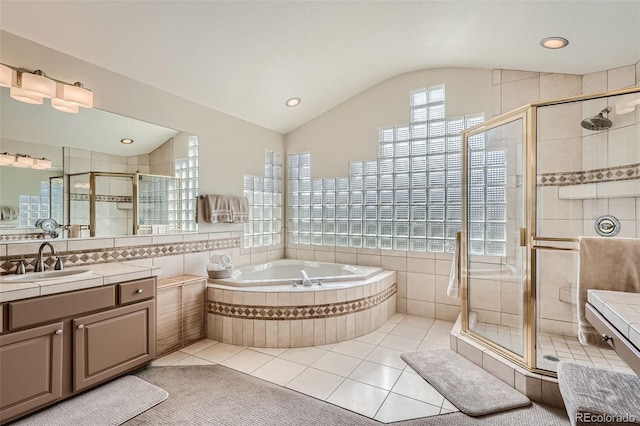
[134,291]
[43,309]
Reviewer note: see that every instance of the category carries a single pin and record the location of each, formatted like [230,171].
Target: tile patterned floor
[364,375]
[552,348]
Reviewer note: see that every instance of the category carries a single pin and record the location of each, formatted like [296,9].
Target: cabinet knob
[58,332]
[139,291]
[80,327]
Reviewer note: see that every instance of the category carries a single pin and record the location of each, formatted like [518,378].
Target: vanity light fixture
[24,161]
[554,42]
[126,141]
[291,102]
[33,87]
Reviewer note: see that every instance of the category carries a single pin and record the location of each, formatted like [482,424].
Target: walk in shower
[109,204]
[519,244]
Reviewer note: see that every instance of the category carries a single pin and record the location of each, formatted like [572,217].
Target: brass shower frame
[528,238]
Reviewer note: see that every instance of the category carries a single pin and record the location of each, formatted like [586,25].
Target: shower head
[598,122]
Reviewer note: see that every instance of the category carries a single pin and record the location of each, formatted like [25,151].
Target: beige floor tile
[414,386]
[377,375]
[354,348]
[358,397]
[400,343]
[304,356]
[193,360]
[372,338]
[316,383]
[170,359]
[409,332]
[435,339]
[448,407]
[247,361]
[396,318]
[441,325]
[219,352]
[198,346]
[386,356]
[416,321]
[386,327]
[270,351]
[326,347]
[397,407]
[279,371]
[336,363]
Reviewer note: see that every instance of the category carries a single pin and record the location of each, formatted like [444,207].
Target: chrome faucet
[39,261]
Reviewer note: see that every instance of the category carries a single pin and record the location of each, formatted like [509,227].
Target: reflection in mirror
[92,143]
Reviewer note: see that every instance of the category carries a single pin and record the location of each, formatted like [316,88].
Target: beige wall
[349,131]
[229,147]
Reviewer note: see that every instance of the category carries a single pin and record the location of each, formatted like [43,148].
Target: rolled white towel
[453,288]
[220,259]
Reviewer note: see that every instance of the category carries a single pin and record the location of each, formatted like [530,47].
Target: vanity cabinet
[52,347]
[181,312]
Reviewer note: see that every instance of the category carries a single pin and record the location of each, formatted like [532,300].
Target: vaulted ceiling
[245,58]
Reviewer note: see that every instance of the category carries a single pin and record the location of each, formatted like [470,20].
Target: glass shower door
[493,257]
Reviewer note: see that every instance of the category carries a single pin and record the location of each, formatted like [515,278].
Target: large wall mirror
[97,185]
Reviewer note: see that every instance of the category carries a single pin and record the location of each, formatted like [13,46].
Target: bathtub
[259,307]
[286,271]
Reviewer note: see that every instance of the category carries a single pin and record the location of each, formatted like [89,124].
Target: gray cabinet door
[110,343]
[31,369]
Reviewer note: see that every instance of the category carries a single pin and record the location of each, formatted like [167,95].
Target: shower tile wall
[565,146]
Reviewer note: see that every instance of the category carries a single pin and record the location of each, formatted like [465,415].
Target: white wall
[229,147]
[349,131]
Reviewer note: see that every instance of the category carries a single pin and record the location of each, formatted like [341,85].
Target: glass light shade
[37,84]
[24,96]
[23,161]
[77,95]
[6,159]
[64,106]
[41,163]
[8,76]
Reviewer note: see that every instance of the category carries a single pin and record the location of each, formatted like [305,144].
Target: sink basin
[34,277]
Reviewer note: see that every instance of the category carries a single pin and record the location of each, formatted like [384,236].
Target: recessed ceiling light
[554,42]
[291,102]
[126,141]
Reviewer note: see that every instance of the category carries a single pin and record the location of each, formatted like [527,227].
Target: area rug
[471,389]
[110,404]
[217,395]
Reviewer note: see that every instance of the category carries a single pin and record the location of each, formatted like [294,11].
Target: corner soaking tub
[259,306]
[287,271]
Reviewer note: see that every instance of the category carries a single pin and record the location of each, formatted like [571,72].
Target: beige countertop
[621,309]
[100,274]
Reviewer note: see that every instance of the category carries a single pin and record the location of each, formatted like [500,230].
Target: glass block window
[265,203]
[410,198]
[187,170]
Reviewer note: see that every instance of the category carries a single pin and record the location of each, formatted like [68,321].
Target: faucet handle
[59,265]
[20,267]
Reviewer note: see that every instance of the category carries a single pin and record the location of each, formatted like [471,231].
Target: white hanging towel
[453,289]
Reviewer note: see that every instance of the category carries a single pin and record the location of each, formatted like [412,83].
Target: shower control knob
[606,337]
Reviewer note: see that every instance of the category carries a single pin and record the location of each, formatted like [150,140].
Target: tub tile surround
[284,316]
[368,366]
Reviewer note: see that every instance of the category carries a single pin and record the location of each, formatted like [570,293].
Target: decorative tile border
[121,254]
[609,174]
[22,237]
[102,198]
[280,313]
